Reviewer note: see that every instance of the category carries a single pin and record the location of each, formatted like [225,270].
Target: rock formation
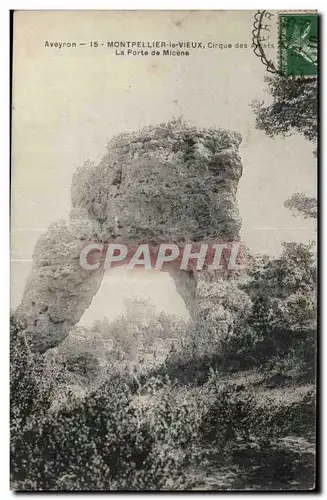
[171,183]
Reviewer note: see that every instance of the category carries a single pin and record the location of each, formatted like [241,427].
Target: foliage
[239,386]
[107,441]
[302,205]
[138,330]
[293,108]
[270,314]
[84,365]
[283,293]
[238,414]
[33,379]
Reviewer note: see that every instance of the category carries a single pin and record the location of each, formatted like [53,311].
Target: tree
[302,205]
[283,291]
[293,108]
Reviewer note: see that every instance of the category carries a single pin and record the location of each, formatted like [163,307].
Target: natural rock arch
[169,183]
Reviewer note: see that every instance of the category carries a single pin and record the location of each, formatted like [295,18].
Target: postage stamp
[287,42]
[298,40]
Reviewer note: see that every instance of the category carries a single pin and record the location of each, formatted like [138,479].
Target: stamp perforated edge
[270,66]
[297,11]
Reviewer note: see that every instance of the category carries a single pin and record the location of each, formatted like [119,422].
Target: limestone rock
[177,186]
[170,183]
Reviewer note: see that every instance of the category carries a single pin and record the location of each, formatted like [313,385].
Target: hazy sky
[68,102]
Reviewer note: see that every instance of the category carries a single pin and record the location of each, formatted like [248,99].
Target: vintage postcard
[163,250]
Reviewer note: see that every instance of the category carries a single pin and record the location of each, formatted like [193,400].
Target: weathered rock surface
[58,290]
[171,183]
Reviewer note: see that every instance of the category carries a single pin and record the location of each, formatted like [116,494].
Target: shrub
[33,379]
[84,364]
[238,414]
[107,441]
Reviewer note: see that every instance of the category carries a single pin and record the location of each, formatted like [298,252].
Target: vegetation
[293,108]
[231,403]
[231,406]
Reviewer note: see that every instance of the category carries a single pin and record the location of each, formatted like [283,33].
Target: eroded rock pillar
[171,183]
[58,289]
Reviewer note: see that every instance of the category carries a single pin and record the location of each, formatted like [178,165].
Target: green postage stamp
[298,35]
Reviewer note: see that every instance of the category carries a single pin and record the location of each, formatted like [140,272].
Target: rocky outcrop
[171,183]
[58,290]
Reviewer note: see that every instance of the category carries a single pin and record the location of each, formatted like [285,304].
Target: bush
[84,364]
[34,379]
[238,414]
[107,442]
[146,433]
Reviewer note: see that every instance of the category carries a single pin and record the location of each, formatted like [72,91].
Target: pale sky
[69,102]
